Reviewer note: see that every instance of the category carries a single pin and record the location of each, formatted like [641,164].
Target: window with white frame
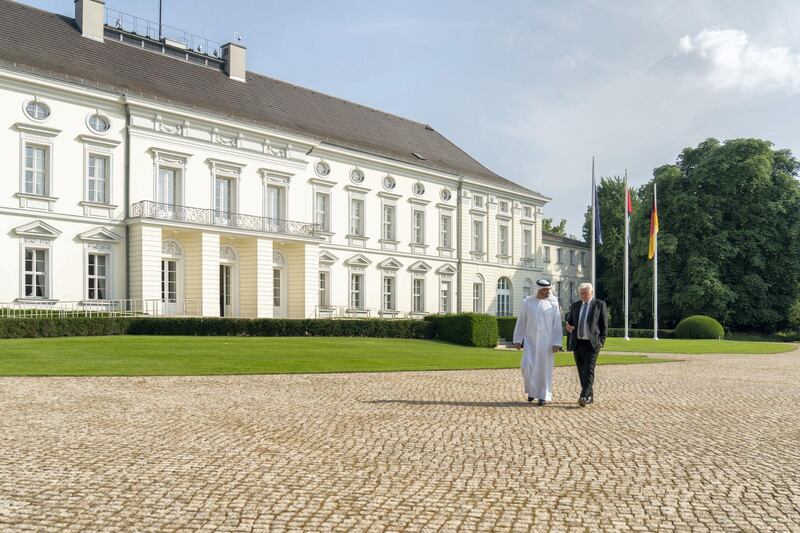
[527,289]
[572,257]
[169,182]
[388,300]
[418,229]
[503,205]
[97,178]
[37,276]
[418,295]
[276,202]
[357,216]
[224,191]
[37,110]
[37,169]
[445,231]
[546,254]
[356,290]
[477,235]
[477,297]
[583,259]
[502,239]
[276,288]
[527,243]
[388,232]
[324,297]
[527,211]
[503,297]
[559,256]
[477,201]
[97,276]
[169,280]
[445,295]
[322,211]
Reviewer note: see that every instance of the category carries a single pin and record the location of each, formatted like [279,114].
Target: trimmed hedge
[640,333]
[699,327]
[505,327]
[469,329]
[12,328]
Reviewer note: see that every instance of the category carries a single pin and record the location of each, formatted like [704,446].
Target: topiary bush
[699,327]
[469,329]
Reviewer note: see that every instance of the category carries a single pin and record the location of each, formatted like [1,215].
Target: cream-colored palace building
[158,175]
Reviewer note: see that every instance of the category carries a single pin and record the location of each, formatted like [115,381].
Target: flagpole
[655,269]
[594,231]
[627,240]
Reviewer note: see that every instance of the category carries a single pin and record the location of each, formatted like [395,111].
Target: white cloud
[728,60]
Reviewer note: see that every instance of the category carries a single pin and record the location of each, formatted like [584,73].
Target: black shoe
[589,399]
[541,402]
[531,398]
[582,401]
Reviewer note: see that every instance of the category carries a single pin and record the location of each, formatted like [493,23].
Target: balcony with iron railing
[222,219]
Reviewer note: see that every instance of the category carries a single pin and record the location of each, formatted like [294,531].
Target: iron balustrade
[215,217]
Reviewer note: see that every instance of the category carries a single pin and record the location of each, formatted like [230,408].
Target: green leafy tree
[729,237]
[561,229]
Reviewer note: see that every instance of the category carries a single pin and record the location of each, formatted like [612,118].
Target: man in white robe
[538,331]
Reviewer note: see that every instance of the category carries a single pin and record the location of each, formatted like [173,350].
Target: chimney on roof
[234,56]
[90,14]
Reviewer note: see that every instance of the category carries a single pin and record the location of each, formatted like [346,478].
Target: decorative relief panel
[170,248]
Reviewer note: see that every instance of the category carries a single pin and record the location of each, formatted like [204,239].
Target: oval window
[99,123]
[37,110]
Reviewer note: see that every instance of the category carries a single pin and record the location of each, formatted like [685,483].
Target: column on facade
[144,264]
[255,278]
[303,282]
[202,271]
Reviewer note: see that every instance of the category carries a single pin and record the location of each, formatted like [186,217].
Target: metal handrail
[214,217]
[100,308]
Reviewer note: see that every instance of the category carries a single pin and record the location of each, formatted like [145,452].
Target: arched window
[503,297]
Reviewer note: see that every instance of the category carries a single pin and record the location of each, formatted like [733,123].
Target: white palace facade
[159,176]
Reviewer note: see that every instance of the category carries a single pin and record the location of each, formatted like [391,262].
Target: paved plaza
[710,443]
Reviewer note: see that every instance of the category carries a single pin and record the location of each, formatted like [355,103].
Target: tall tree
[729,236]
[560,229]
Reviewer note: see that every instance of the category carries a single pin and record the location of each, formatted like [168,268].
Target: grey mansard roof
[51,45]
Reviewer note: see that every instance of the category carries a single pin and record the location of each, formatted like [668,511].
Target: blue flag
[598,230]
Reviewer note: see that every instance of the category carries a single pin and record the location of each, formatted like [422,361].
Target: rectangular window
[356,291]
[36,278]
[323,289]
[169,280]
[357,217]
[559,294]
[477,235]
[477,297]
[322,210]
[445,225]
[388,293]
[583,259]
[444,296]
[276,288]
[418,295]
[477,201]
[275,202]
[559,258]
[527,243]
[167,186]
[504,207]
[97,180]
[36,170]
[96,276]
[546,254]
[528,212]
[223,196]
[527,290]
[572,257]
[388,222]
[418,232]
[502,240]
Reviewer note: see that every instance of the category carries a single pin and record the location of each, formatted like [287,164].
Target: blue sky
[532,89]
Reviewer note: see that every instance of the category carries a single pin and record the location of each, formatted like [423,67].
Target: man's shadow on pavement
[557,405]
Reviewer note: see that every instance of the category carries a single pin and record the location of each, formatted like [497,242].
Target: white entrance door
[169,286]
[225,290]
[278,293]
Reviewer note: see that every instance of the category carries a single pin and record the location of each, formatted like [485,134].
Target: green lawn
[158,356]
[696,346]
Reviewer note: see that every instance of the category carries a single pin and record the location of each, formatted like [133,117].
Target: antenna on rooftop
[160,11]
[237,36]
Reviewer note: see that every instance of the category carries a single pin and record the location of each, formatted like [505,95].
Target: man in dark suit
[587,325]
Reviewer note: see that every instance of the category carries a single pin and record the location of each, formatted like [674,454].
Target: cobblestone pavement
[711,443]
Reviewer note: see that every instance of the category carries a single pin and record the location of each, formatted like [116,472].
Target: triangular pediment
[358,260]
[390,264]
[100,234]
[420,266]
[327,257]
[446,270]
[39,229]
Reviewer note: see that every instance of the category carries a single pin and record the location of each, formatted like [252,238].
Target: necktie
[582,321]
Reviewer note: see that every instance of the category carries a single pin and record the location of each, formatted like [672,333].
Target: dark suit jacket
[596,322]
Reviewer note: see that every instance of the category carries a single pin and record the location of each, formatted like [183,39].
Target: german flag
[653,231]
